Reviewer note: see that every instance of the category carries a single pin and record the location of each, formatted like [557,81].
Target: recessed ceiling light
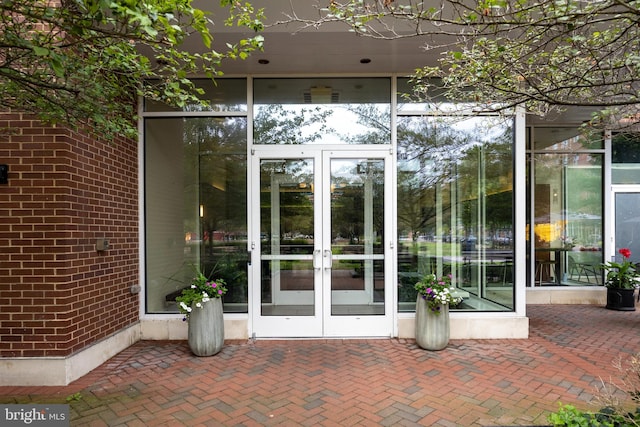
[365,60]
[263,61]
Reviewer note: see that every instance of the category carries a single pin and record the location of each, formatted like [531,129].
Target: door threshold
[354,338]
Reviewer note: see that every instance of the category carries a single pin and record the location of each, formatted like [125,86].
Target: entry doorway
[321,242]
[626,214]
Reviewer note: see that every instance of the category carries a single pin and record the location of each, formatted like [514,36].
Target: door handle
[317,259]
[328,255]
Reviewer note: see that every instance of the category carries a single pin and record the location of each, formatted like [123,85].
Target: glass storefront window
[195,203]
[625,158]
[565,223]
[222,95]
[455,208]
[322,111]
[564,139]
[432,100]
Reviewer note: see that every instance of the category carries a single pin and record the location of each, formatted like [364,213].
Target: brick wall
[58,294]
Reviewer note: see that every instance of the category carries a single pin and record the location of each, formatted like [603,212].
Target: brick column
[58,294]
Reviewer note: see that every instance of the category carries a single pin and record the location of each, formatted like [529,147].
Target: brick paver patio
[356,382]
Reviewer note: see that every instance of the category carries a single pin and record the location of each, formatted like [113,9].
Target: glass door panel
[627,223]
[357,231]
[355,222]
[289,298]
[322,258]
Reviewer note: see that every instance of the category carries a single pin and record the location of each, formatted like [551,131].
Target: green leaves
[86,63]
[40,51]
[543,55]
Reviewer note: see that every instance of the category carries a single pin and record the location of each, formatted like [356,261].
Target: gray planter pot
[432,330]
[206,328]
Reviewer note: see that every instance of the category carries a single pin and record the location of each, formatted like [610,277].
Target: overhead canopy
[328,49]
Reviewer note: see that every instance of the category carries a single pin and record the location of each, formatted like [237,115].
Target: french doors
[321,242]
[626,214]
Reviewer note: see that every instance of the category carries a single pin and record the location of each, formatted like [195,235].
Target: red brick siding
[57,293]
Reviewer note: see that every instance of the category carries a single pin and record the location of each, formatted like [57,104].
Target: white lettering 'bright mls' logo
[44,415]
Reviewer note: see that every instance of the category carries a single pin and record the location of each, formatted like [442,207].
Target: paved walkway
[356,382]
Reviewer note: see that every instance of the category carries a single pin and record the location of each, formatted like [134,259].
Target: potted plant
[201,305]
[621,280]
[435,295]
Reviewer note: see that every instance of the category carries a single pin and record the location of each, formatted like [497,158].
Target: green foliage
[437,292]
[201,290]
[542,55]
[621,275]
[86,62]
[75,397]
[616,411]
[570,416]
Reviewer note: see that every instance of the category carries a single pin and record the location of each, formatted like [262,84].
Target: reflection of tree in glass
[375,120]
[624,148]
[275,124]
[214,152]
[221,158]
[332,124]
[498,187]
[348,199]
[427,152]
[214,155]
[444,157]
[295,178]
[296,215]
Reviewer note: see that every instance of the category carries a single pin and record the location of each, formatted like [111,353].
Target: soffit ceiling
[330,49]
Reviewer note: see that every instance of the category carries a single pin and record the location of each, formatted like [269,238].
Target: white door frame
[322,323]
[358,324]
[615,189]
